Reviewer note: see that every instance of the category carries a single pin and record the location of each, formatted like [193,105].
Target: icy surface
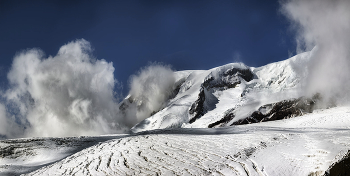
[297,146]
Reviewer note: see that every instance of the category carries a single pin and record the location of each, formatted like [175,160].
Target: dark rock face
[341,168]
[281,110]
[225,80]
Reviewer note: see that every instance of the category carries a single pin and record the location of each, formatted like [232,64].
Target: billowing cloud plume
[73,94]
[326,25]
[149,91]
[69,94]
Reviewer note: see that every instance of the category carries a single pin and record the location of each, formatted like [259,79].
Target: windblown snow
[192,133]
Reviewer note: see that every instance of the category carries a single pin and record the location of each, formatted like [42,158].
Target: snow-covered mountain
[229,120]
[207,97]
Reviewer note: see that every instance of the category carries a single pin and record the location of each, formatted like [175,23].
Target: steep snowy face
[175,113]
[206,98]
[220,79]
[285,74]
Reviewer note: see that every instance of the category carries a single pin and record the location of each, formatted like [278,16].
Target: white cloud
[69,94]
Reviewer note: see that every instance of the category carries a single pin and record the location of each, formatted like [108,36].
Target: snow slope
[298,146]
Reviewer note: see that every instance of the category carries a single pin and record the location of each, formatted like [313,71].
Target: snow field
[269,148]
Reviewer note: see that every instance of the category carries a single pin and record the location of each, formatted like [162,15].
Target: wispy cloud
[149,90]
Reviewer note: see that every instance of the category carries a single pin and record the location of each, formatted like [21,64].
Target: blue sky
[184,34]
